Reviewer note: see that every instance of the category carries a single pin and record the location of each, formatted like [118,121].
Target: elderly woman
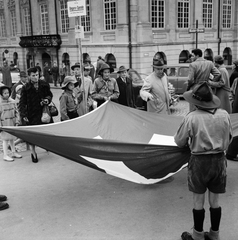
[105,88]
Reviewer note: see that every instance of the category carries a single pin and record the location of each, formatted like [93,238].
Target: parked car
[178,77]
[15,72]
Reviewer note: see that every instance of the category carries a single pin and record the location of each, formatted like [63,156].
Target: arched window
[160,55]
[46,58]
[65,59]
[208,54]
[111,60]
[227,55]
[15,58]
[184,56]
[86,57]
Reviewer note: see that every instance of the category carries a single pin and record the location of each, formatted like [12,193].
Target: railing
[53,40]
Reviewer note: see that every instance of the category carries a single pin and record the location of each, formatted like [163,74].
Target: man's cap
[77,64]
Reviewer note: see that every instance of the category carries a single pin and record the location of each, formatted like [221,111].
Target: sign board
[76,8]
[196,30]
[79,31]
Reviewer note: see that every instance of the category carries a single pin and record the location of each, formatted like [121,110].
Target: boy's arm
[181,137]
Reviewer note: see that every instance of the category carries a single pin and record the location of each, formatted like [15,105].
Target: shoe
[16,155]
[3,206]
[8,159]
[229,157]
[186,236]
[3,198]
[34,159]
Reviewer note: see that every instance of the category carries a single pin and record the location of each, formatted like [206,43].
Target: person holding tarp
[105,88]
[207,131]
[155,89]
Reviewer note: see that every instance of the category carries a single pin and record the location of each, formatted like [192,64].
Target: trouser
[233,147]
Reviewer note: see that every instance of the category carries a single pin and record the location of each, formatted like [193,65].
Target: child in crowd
[68,102]
[9,117]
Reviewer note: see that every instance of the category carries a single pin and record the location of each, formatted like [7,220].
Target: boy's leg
[5,151]
[215,216]
[14,154]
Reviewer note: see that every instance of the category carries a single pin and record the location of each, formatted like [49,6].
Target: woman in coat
[223,91]
[34,95]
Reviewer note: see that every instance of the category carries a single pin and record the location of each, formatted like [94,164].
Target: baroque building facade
[123,32]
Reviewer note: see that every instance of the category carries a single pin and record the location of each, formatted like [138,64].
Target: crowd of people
[206,129]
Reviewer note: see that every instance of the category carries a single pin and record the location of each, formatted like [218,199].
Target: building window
[157,13]
[64,16]
[85,20]
[226,14]
[44,19]
[27,21]
[110,14]
[183,13]
[207,13]
[13,23]
[2,25]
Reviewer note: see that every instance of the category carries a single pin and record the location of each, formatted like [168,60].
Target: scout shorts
[207,171]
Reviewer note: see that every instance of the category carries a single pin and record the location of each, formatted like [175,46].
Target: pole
[196,34]
[129,33]
[82,68]
[31,28]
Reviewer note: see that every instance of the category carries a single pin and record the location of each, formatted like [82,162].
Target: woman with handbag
[34,96]
[68,102]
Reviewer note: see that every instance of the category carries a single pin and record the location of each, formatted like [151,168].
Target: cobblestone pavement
[181,109]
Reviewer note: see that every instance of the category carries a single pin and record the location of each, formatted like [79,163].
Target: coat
[158,87]
[47,74]
[126,96]
[30,101]
[223,92]
[6,76]
[200,70]
[9,116]
[84,90]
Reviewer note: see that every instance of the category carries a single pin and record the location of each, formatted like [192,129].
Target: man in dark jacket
[34,95]
[124,83]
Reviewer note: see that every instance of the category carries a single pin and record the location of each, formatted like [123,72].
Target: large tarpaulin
[131,144]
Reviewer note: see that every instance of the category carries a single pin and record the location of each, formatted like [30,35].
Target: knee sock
[215,216]
[5,147]
[198,217]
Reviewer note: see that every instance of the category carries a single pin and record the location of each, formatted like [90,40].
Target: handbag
[45,118]
[53,110]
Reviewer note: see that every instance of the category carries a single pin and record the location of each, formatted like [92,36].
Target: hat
[202,96]
[103,67]
[23,74]
[77,64]
[218,59]
[235,62]
[158,63]
[88,67]
[67,80]
[18,87]
[122,69]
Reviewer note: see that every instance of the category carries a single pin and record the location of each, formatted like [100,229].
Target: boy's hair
[197,52]
[3,88]
[30,70]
